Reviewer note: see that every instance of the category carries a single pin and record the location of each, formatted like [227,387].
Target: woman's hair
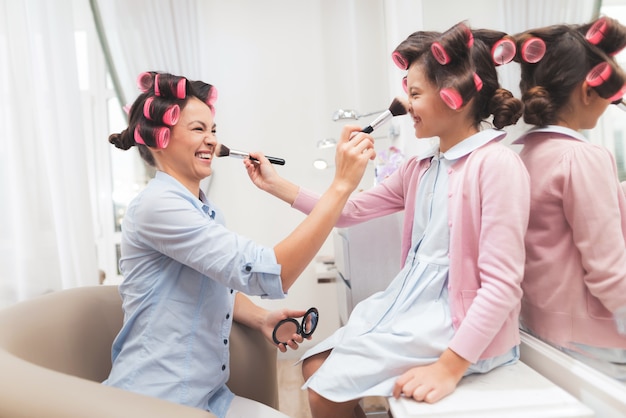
[555,59]
[462,62]
[157,109]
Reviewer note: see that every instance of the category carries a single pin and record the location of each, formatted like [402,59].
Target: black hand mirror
[284,330]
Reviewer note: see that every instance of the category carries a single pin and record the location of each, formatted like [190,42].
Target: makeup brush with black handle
[396,108]
[224,151]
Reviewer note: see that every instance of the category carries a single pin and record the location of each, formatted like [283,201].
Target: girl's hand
[261,172]
[433,382]
[273,318]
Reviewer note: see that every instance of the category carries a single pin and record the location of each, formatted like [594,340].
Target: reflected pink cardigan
[488,213]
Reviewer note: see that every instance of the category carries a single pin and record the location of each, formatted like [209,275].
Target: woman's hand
[433,382]
[354,150]
[274,317]
[265,177]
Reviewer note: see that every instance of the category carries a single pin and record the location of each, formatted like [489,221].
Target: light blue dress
[409,323]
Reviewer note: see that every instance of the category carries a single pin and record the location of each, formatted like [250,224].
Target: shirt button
[227,315]
[225,341]
[232,290]
[248,268]
[223,367]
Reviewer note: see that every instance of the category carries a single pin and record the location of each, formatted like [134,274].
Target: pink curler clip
[595,34]
[146,107]
[599,74]
[470,37]
[156,85]
[440,53]
[618,96]
[181,88]
[399,60]
[533,50]
[162,136]
[405,85]
[478,82]
[210,101]
[137,135]
[503,51]
[451,97]
[171,115]
[144,81]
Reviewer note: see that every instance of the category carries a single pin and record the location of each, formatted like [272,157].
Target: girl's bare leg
[322,407]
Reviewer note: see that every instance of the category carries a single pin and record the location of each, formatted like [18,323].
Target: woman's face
[192,146]
[428,110]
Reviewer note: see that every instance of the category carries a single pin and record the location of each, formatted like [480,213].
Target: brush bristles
[397,108]
[223,151]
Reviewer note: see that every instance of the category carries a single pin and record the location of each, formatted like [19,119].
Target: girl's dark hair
[462,60]
[567,58]
[157,109]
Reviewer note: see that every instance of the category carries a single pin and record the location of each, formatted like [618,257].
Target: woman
[185,274]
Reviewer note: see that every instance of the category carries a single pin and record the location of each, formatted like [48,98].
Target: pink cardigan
[576,242]
[488,214]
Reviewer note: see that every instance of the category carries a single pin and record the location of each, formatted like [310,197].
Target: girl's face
[430,113]
[192,146]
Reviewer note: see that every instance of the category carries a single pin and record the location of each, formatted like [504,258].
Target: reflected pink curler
[144,81]
[210,101]
[451,97]
[599,74]
[440,53]
[533,50]
[146,107]
[617,97]
[405,85]
[595,34]
[399,60]
[171,115]
[478,82]
[137,136]
[503,51]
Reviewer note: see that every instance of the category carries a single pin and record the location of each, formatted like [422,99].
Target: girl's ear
[586,92]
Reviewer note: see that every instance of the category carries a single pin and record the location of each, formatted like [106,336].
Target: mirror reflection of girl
[185,274]
[453,308]
[576,243]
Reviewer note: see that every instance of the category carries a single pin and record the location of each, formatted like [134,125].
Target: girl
[453,308]
[575,275]
[185,273]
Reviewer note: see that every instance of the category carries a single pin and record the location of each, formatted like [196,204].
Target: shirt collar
[472,143]
[555,129]
[200,201]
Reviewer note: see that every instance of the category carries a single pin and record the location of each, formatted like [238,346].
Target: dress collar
[554,129]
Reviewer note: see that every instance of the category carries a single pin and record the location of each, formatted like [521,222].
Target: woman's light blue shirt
[181,269]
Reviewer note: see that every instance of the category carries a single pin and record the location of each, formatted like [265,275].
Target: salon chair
[55,350]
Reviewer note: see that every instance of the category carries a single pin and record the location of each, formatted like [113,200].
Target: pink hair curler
[440,53]
[171,115]
[405,85]
[616,98]
[451,97]
[156,85]
[144,81]
[533,50]
[210,101]
[470,37]
[181,88]
[599,74]
[399,60]
[146,107]
[503,51]
[126,108]
[478,82]
[162,136]
[595,34]
[137,135]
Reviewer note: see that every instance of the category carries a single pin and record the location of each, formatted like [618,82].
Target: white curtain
[151,35]
[46,230]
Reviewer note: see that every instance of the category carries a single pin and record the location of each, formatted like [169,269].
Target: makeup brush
[224,151]
[396,108]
